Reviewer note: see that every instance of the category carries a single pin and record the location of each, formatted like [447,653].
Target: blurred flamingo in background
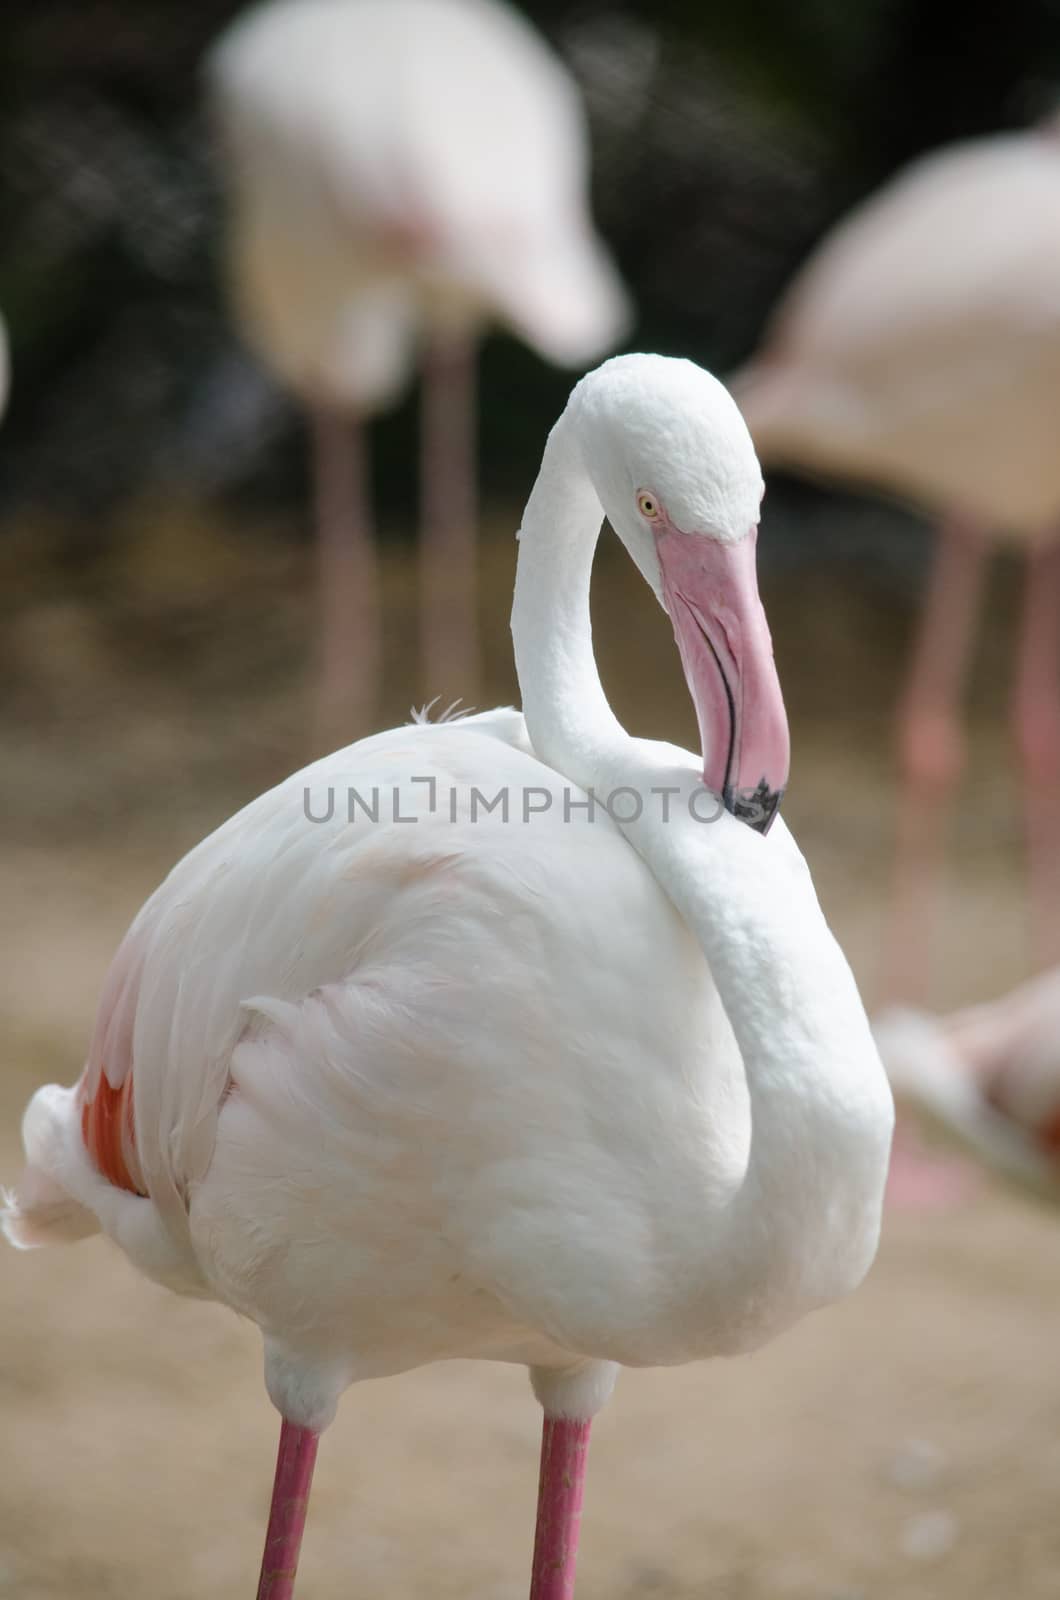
[403,171]
[919,351]
[529,1085]
[987,1079]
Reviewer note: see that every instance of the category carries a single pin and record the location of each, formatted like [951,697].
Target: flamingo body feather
[919,348]
[314,1018]
[396,161]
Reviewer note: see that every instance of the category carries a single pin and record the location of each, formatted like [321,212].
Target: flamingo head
[675,469]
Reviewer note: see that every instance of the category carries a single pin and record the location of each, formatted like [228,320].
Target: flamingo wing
[920,345]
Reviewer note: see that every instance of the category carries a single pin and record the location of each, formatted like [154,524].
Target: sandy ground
[905,1444]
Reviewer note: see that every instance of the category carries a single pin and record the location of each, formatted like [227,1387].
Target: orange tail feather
[107,1129]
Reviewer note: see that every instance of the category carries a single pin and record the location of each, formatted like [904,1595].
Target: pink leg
[287,1514]
[1036,718]
[931,752]
[348,583]
[564,1451]
[448,588]
[931,756]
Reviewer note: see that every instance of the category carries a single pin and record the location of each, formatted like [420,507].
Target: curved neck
[572,726]
[820,1119]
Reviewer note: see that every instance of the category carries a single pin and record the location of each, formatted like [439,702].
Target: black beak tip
[757,807]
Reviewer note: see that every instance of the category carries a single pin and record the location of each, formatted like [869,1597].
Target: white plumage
[398,162]
[423,1079]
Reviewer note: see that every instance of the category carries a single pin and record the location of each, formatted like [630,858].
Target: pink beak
[711,593]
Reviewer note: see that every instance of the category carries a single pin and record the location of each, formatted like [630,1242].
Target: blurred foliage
[726,134]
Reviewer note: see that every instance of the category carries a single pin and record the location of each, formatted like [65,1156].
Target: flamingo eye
[648,506]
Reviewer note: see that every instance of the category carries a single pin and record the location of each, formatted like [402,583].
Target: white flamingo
[919,350]
[522,1083]
[986,1079]
[403,170]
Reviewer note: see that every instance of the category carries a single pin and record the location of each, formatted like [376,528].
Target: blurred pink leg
[448,597]
[347,583]
[287,1514]
[931,753]
[931,758]
[564,1451]
[1036,718]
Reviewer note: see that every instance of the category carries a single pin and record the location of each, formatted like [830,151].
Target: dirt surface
[903,1445]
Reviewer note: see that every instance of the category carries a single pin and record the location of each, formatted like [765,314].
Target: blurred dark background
[156,561]
[726,137]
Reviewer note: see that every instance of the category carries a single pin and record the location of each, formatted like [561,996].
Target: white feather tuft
[452,713]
